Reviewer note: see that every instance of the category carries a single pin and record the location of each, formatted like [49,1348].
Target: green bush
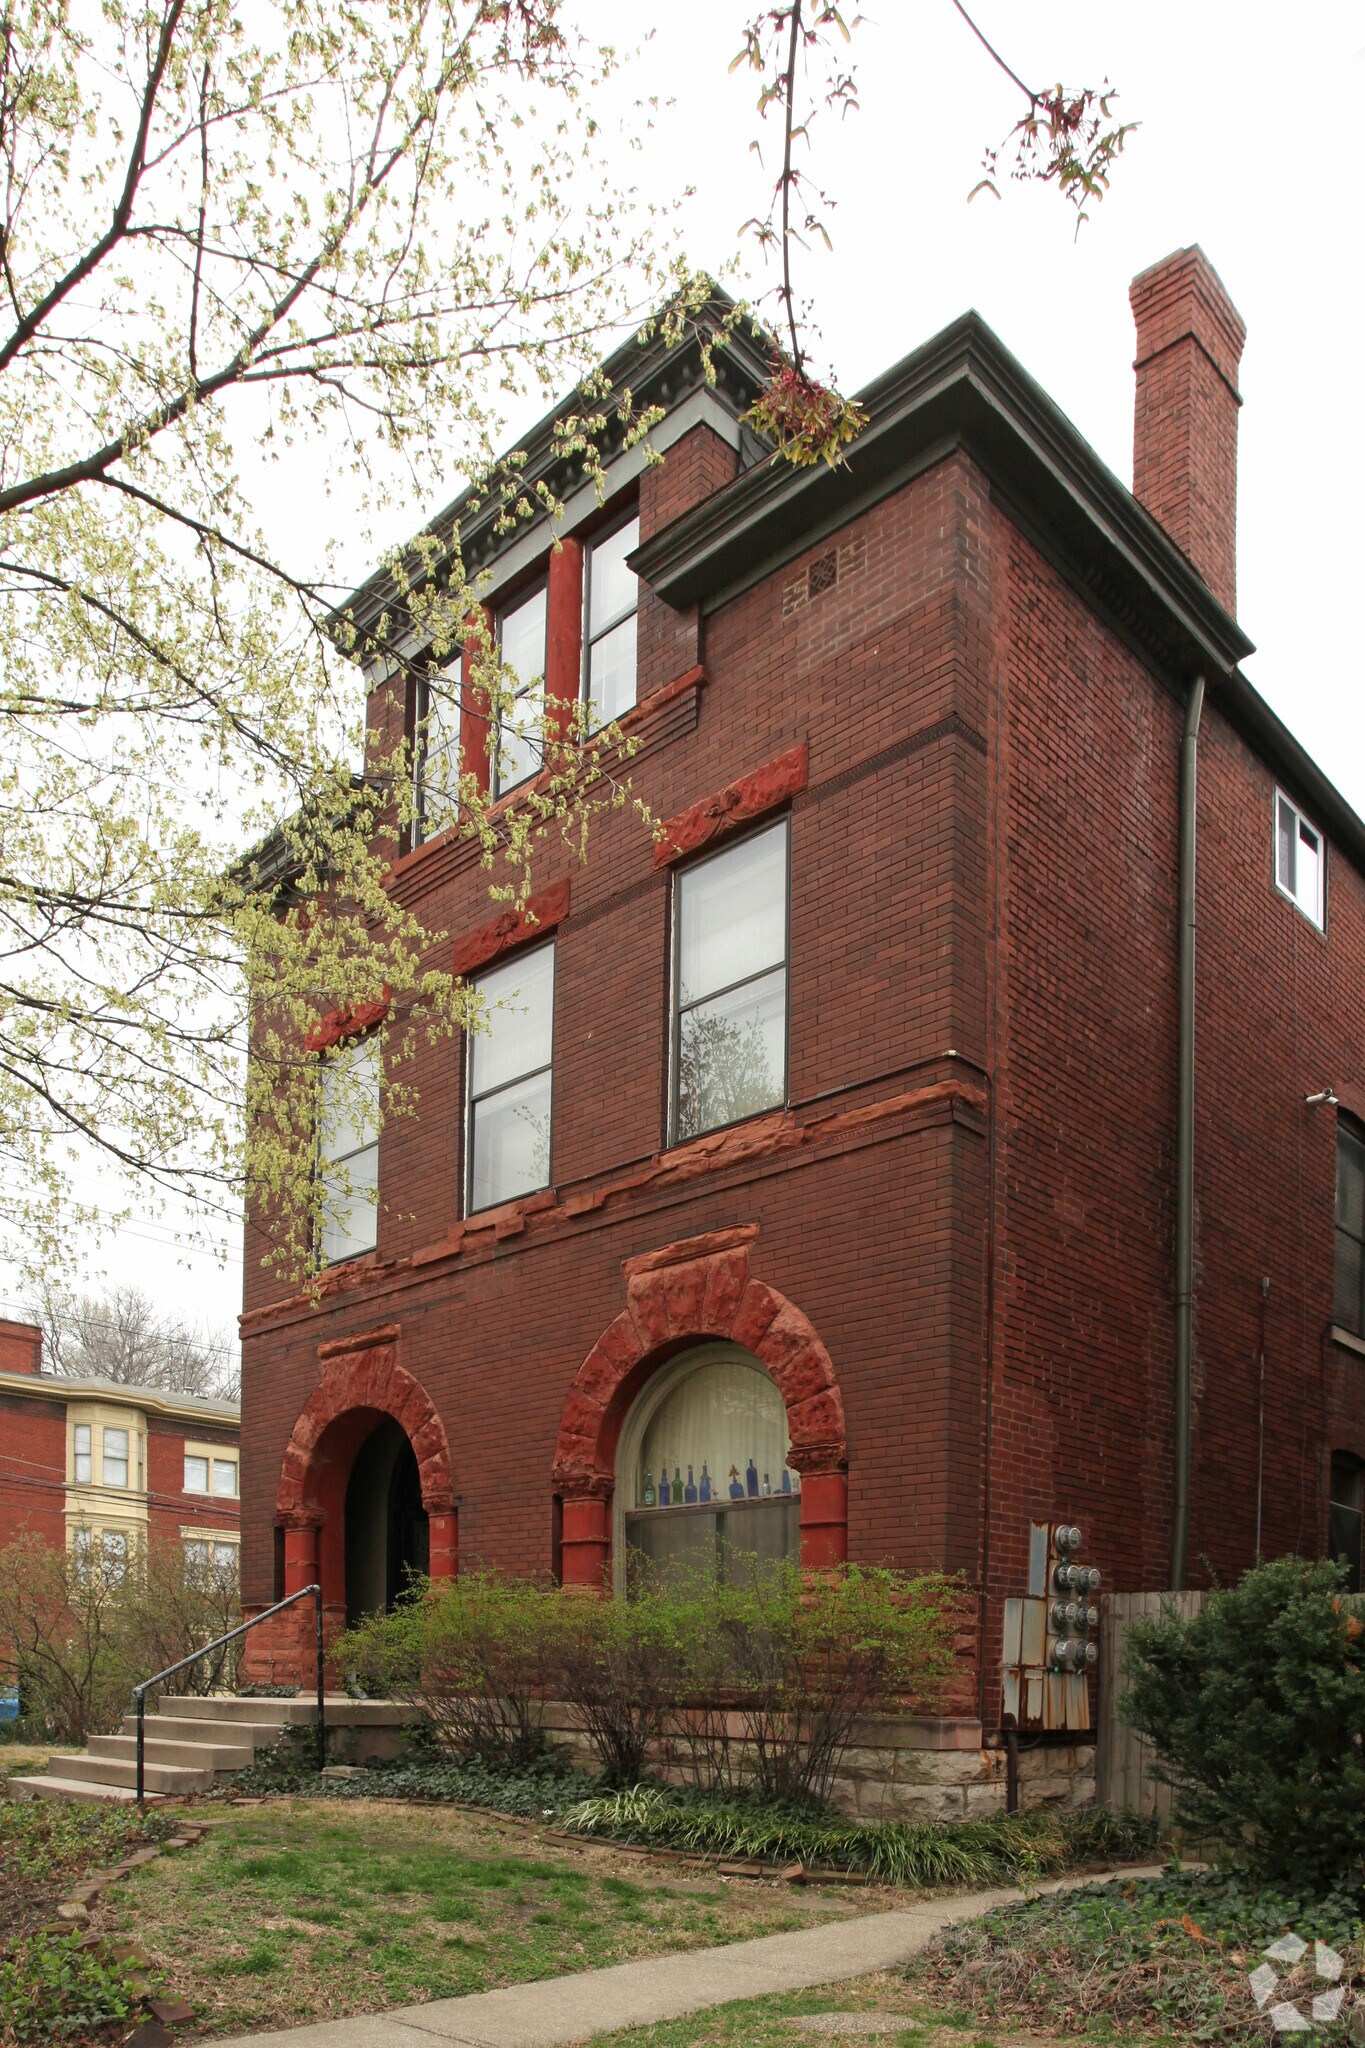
[752,1684]
[1004,1847]
[1255,1707]
[473,1655]
[51,1989]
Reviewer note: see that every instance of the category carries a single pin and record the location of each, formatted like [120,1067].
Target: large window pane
[84,1471]
[511,1142]
[115,1460]
[196,1475]
[1350,1182]
[1346,1290]
[510,1082]
[612,588]
[438,754]
[518,1021]
[732,1055]
[348,1148]
[521,644]
[611,672]
[733,913]
[225,1476]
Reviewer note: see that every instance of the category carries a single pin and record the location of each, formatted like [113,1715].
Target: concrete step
[84,1790]
[244,1735]
[259,1713]
[110,1770]
[219,1755]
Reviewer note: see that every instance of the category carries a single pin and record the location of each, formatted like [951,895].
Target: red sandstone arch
[684,1294]
[361,1382]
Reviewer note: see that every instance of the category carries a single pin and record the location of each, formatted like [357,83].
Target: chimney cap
[1181,296]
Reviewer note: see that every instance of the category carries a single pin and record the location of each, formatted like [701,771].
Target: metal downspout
[1184,1140]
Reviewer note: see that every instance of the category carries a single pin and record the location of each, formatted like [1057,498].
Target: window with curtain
[1347,1504]
[1348,1289]
[114,1461]
[730,985]
[348,1149]
[436,754]
[613,600]
[82,1460]
[521,729]
[507,1143]
[710,1489]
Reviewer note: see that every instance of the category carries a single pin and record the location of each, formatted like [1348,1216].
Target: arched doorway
[387,1535]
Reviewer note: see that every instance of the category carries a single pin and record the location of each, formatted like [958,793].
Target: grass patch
[1004,1848]
[303,1910]
[1169,1956]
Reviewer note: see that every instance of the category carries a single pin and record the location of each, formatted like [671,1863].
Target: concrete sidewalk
[570,2009]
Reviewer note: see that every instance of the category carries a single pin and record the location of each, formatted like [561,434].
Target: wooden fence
[1123,1773]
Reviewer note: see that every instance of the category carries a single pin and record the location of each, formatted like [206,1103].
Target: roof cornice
[51,1386]
[964,389]
[655,373]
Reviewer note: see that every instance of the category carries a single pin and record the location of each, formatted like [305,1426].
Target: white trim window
[521,729]
[348,1149]
[225,1478]
[114,1457]
[1300,860]
[507,1142]
[730,941]
[436,754]
[613,599]
[82,1455]
[211,1557]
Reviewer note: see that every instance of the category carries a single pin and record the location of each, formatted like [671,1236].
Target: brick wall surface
[970,1193]
[32,1468]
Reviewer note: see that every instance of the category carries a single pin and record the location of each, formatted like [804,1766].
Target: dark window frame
[677,1007]
[1349,1133]
[1346,1519]
[471,1101]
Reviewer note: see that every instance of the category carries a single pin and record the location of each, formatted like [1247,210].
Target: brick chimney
[1189,344]
[21,1347]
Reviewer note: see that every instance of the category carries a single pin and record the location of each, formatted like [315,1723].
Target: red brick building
[827,1165]
[101,1468]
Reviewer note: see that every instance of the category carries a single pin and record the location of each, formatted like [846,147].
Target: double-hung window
[82,1457]
[508,1138]
[613,599]
[436,754]
[1299,862]
[196,1474]
[348,1149]
[225,1478]
[1345,1516]
[730,985]
[114,1462]
[1348,1291]
[521,728]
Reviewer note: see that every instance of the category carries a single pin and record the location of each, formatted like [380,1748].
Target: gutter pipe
[1184,1139]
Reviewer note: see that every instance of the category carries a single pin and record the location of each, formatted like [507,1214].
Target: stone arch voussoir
[366,1376]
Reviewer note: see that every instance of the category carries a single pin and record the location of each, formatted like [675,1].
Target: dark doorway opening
[387,1536]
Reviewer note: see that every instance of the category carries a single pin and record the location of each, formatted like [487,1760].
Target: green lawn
[307,1910]
[772,2022]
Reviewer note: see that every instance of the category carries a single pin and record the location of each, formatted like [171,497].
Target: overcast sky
[1249,119]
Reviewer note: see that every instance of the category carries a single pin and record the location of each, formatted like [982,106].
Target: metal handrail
[140,1691]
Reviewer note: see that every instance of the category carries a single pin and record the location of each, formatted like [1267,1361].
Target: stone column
[586,1542]
[824,1515]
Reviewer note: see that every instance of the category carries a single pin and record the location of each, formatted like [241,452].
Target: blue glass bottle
[663,1486]
[736,1484]
[786,1480]
[705,1481]
[751,1480]
[690,1490]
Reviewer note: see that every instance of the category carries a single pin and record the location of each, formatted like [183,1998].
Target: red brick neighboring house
[830,1161]
[101,1468]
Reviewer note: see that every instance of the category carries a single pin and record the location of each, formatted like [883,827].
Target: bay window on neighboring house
[730,940]
[613,598]
[212,1557]
[1348,1291]
[520,737]
[114,1462]
[348,1149]
[82,1455]
[209,1469]
[436,754]
[507,1137]
[102,1550]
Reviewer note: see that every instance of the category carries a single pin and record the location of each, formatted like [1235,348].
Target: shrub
[51,1989]
[1255,1707]
[626,1666]
[810,1657]
[76,1639]
[474,1655]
